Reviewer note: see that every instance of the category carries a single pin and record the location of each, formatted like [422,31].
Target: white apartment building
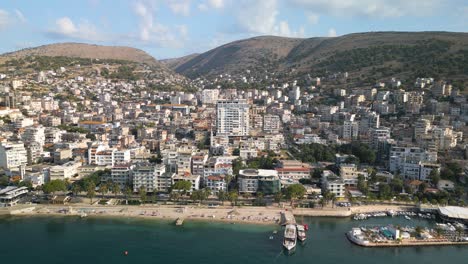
[34,134]
[409,161]
[232,117]
[210,96]
[333,184]
[350,130]
[216,183]
[271,124]
[194,179]
[349,173]
[253,181]
[146,175]
[12,155]
[65,171]
[122,174]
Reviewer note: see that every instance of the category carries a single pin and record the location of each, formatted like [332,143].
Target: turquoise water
[73,240]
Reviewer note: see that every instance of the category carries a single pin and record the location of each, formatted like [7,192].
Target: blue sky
[173,28]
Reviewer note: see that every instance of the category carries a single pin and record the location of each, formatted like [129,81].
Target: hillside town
[313,139]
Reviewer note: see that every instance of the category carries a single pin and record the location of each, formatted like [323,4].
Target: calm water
[73,240]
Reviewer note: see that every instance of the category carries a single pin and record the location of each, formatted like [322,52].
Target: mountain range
[373,54]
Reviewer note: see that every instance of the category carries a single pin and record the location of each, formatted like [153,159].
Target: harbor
[396,236]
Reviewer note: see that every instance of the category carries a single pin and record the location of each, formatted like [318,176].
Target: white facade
[12,155]
[65,171]
[146,176]
[232,117]
[210,96]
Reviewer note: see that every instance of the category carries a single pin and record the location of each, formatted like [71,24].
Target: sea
[69,240]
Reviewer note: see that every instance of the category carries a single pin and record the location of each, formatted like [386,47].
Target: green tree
[233,197]
[385,192]
[182,186]
[91,191]
[76,189]
[115,188]
[434,176]
[142,193]
[54,186]
[295,191]
[103,189]
[222,196]
[236,152]
[278,197]
[4,180]
[128,192]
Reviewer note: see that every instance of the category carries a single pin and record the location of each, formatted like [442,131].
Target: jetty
[179,221]
[287,218]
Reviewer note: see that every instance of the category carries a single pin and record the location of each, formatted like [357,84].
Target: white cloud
[84,30]
[216,3]
[20,16]
[332,33]
[211,4]
[260,17]
[180,7]
[370,8]
[313,18]
[152,32]
[4,19]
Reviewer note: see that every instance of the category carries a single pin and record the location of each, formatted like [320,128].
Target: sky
[174,28]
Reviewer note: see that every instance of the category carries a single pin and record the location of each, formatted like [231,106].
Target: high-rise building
[232,117]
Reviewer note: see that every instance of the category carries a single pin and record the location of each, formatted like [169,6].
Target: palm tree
[278,197]
[91,191]
[233,196]
[222,196]
[142,193]
[333,199]
[323,202]
[128,193]
[76,189]
[115,188]
[103,189]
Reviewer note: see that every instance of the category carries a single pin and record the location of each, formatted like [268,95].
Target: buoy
[126,253]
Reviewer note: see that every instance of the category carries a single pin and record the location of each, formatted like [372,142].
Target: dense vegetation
[318,152]
[425,58]
[42,63]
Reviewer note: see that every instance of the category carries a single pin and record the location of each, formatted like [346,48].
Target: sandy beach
[249,215]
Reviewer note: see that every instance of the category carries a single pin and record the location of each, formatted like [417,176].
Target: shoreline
[222,214]
[237,215]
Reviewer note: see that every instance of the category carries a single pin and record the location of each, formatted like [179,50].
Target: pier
[287,218]
[179,222]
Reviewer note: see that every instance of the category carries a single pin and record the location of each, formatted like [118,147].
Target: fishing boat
[301,233]
[290,237]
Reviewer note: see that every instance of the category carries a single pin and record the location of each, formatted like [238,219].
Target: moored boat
[290,237]
[301,233]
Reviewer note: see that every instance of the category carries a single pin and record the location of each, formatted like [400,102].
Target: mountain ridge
[332,53]
[83,50]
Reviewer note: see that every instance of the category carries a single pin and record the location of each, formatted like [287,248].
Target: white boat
[290,237]
[407,217]
[301,233]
